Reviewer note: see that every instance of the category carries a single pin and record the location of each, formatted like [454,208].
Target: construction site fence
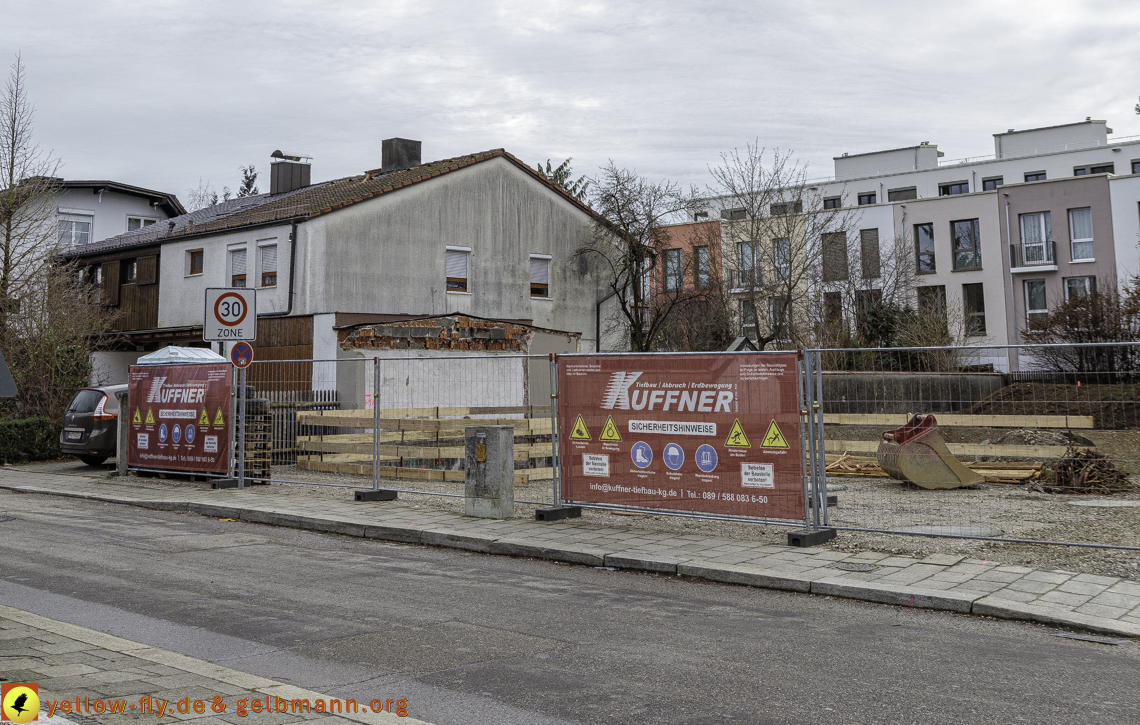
[1045,440]
[1048,436]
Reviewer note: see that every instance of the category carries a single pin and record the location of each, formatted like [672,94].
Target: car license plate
[74,435]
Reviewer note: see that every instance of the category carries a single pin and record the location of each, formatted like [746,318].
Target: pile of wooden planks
[995,472]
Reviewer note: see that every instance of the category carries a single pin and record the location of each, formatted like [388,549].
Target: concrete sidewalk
[1083,601]
[90,674]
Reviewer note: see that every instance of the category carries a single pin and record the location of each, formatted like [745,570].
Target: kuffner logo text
[699,397]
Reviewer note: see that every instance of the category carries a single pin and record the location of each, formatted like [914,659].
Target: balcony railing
[1041,254]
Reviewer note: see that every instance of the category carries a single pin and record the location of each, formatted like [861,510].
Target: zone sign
[231,314]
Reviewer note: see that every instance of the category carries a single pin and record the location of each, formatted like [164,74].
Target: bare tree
[27,190]
[201,197]
[704,321]
[626,245]
[774,222]
[1102,315]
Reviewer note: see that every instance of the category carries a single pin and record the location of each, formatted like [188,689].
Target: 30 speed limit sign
[231,314]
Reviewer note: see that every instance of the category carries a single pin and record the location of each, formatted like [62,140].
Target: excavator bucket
[917,453]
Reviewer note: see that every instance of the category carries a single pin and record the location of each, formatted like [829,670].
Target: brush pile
[1083,471]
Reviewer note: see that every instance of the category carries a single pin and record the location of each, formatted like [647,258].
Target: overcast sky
[163,93]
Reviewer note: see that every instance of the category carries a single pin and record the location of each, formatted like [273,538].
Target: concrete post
[490,467]
[122,433]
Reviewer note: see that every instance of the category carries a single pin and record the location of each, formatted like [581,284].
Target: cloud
[163,93]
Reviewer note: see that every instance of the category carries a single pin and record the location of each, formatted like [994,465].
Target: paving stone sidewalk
[96,672]
[1082,601]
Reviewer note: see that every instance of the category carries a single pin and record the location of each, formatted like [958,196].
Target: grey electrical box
[490,467]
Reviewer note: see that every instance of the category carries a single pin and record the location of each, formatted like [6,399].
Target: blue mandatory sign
[706,458]
[162,433]
[176,434]
[673,456]
[641,454]
[190,433]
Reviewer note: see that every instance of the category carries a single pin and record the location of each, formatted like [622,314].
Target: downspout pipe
[292,271]
[1012,289]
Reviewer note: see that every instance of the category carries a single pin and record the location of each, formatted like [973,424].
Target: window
[957,187]
[1035,307]
[136,222]
[778,317]
[672,270]
[1036,239]
[698,215]
[196,259]
[865,299]
[991,184]
[833,310]
[902,194]
[268,254]
[932,302]
[702,267]
[1136,167]
[924,248]
[972,295]
[749,275]
[967,244]
[786,208]
[539,275]
[131,272]
[1080,231]
[869,253]
[1035,176]
[237,267]
[96,274]
[457,270]
[1080,171]
[748,319]
[1079,287]
[869,198]
[835,202]
[734,215]
[73,232]
[834,256]
[1103,169]
[782,258]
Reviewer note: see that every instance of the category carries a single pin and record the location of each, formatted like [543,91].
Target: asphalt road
[470,638]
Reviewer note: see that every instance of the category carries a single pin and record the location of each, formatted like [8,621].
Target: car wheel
[93,460]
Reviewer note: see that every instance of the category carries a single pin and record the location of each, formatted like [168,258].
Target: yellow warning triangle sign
[149,417]
[218,419]
[774,438]
[736,437]
[203,419]
[579,433]
[610,432]
[138,417]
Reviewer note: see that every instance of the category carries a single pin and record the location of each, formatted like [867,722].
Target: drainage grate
[856,567]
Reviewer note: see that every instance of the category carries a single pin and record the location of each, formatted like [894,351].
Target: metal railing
[1041,254]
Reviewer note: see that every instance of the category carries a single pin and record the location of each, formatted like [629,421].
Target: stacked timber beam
[423,444]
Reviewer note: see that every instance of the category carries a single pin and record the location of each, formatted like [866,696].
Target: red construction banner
[716,433]
[180,417]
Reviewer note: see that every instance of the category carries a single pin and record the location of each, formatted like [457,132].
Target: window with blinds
[457,270]
[237,268]
[268,265]
[539,277]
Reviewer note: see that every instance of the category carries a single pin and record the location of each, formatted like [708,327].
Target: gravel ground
[863,503]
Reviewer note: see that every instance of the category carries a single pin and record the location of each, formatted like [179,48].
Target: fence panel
[1035,443]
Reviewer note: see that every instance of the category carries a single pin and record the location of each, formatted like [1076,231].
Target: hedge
[32,439]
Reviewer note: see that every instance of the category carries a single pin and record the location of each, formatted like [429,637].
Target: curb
[902,595]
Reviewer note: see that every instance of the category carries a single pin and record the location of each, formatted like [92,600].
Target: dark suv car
[90,424]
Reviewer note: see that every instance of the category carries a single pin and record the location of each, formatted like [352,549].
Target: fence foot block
[810,537]
[377,494]
[224,483]
[558,513]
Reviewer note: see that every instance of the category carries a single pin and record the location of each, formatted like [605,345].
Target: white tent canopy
[181,356]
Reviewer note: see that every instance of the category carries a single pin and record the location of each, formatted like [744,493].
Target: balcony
[1039,257]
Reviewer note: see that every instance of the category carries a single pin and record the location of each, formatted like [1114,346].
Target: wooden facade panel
[138,307]
[111,284]
[147,272]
